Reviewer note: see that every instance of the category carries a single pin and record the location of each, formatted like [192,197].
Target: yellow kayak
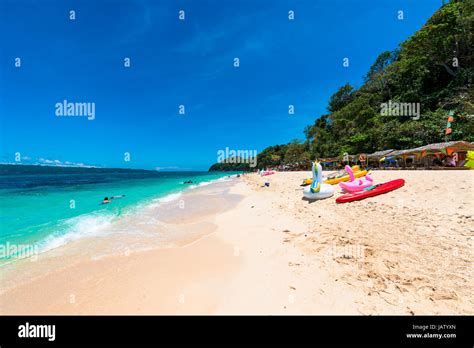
[333,181]
[345,177]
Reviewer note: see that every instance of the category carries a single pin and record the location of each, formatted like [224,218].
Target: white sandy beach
[256,250]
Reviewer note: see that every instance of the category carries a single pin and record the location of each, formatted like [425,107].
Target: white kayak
[318,190]
[325,191]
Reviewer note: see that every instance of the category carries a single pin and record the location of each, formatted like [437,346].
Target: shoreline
[270,252]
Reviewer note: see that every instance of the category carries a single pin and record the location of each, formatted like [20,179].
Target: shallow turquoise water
[37,206]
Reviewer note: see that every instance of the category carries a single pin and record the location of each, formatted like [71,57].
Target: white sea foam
[205,183]
[175,196]
[165,199]
[169,198]
[89,225]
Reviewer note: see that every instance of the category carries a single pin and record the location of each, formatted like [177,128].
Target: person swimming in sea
[108,200]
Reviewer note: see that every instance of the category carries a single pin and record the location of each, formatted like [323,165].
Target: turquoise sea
[48,206]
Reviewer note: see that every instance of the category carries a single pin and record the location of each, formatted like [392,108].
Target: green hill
[432,70]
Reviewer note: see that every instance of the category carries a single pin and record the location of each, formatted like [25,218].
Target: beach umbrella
[469,160]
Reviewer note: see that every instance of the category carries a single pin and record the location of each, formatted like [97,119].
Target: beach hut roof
[455,145]
[433,148]
[379,154]
[396,153]
[327,160]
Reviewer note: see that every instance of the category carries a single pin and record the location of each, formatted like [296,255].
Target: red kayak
[371,191]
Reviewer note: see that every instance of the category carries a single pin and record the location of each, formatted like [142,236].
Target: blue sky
[188,63]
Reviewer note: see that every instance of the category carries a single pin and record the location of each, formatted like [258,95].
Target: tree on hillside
[341,98]
[434,67]
[296,153]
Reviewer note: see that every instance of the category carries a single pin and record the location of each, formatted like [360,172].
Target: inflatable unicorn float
[355,185]
[318,190]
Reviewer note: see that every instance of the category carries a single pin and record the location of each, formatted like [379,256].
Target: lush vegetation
[434,68]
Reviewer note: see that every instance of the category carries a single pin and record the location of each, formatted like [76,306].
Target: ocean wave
[205,183]
[90,225]
[169,197]
[165,199]
[176,195]
[102,223]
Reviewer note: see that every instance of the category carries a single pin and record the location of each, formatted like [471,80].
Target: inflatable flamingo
[267,172]
[354,184]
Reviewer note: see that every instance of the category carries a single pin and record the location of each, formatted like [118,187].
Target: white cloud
[166,168]
[47,161]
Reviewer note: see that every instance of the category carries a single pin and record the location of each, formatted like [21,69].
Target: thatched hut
[451,153]
[373,159]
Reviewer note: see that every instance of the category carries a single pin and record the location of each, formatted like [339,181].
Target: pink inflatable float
[354,185]
[267,172]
